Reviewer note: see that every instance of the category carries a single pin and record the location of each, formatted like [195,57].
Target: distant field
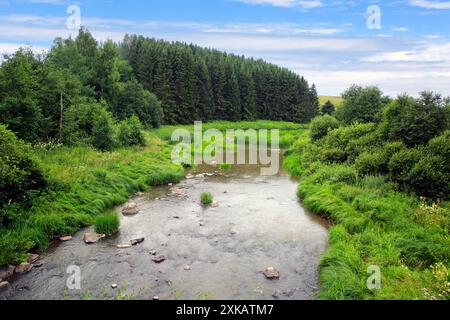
[337,101]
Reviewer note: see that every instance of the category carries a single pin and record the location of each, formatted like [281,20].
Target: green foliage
[195,83]
[107,224]
[225,166]
[130,132]
[206,198]
[19,108]
[19,172]
[103,131]
[320,126]
[362,105]
[328,108]
[374,222]
[415,122]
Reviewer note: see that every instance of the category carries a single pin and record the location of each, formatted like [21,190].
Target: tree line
[53,96]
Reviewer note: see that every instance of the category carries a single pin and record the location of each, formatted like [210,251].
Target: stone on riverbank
[23,268]
[159,259]
[6,272]
[64,239]
[135,242]
[32,258]
[4,284]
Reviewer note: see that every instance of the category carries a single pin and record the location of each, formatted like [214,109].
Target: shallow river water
[211,253]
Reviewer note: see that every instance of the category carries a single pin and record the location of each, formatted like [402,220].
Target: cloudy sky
[332,43]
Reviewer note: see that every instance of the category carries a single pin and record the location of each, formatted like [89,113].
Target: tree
[19,108]
[328,108]
[103,131]
[130,132]
[362,105]
[415,121]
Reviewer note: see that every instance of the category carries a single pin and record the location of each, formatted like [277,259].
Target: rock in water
[67,238]
[215,204]
[123,246]
[272,273]
[6,272]
[135,242]
[91,238]
[159,259]
[23,268]
[3,284]
[131,209]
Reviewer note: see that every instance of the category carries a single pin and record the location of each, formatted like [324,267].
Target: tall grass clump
[107,223]
[206,198]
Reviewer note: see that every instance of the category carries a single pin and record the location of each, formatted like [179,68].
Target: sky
[400,46]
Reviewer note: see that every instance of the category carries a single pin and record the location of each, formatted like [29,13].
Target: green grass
[206,198]
[107,223]
[84,184]
[337,101]
[374,224]
[225,166]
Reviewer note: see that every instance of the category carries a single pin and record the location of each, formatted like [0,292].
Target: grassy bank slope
[84,183]
[374,225]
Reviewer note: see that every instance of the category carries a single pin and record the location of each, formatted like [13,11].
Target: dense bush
[130,132]
[415,121]
[19,173]
[206,198]
[362,105]
[376,161]
[320,126]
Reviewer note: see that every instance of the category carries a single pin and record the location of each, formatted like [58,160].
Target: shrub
[19,173]
[320,126]
[206,198]
[430,177]
[130,132]
[335,155]
[107,224]
[401,164]
[377,161]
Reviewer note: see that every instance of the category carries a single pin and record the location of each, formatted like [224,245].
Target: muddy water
[212,253]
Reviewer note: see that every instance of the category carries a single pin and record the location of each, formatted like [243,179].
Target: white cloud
[433,53]
[286,3]
[440,5]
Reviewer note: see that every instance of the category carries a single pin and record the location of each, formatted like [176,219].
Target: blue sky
[328,42]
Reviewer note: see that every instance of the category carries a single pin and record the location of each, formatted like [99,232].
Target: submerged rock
[91,238]
[131,209]
[66,238]
[123,246]
[23,268]
[6,272]
[272,274]
[4,284]
[135,242]
[159,259]
[215,204]
[114,286]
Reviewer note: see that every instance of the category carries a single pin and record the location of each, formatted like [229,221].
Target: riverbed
[210,252]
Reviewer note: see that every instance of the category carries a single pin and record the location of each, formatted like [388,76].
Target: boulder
[6,272]
[66,238]
[91,238]
[23,268]
[131,209]
[272,274]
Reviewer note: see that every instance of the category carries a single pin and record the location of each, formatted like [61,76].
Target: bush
[430,177]
[107,224]
[19,173]
[320,126]
[401,164]
[206,198]
[225,166]
[377,161]
[130,132]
